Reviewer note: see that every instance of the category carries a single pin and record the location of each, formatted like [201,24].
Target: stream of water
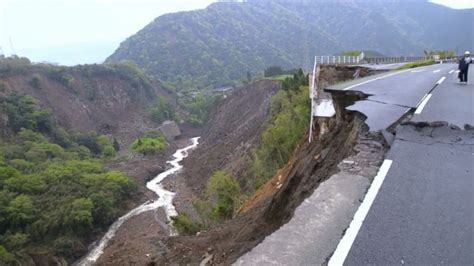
[165,201]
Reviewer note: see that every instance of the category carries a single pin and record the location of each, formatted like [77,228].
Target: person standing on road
[464,66]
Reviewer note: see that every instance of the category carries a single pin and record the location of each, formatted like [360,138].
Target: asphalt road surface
[394,93]
[451,101]
[419,208]
[423,212]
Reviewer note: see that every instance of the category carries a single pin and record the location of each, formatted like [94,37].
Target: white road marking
[457,71]
[418,70]
[436,71]
[346,242]
[441,80]
[422,99]
[371,80]
[422,105]
[451,71]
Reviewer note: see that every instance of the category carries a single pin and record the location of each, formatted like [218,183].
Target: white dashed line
[346,242]
[441,80]
[371,80]
[451,72]
[422,105]
[436,71]
[419,70]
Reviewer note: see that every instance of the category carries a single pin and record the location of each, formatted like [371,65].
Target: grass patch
[279,77]
[147,146]
[417,63]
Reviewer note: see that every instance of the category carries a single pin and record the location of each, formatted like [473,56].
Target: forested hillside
[60,130]
[219,44]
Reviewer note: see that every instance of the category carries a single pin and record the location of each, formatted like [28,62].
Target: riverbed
[164,200]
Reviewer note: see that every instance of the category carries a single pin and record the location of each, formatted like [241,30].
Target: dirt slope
[234,127]
[107,102]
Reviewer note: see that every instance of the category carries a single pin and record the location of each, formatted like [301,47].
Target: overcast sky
[87,31]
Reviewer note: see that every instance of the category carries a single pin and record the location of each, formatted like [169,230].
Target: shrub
[148,146]
[288,121]
[5,256]
[273,71]
[224,191]
[418,63]
[162,111]
[35,81]
[185,225]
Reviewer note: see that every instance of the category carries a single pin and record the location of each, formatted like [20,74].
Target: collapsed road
[419,208]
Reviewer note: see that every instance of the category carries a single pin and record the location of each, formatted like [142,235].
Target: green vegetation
[162,110]
[286,125]
[216,46]
[443,54]
[36,81]
[184,224]
[280,77]
[273,71]
[224,191]
[418,63]
[351,53]
[55,192]
[223,198]
[150,143]
[127,71]
[198,104]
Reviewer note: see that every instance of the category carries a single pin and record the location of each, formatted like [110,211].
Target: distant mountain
[216,45]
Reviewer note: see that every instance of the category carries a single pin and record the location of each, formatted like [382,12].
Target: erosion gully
[164,200]
[273,204]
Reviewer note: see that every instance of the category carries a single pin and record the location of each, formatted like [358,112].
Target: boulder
[170,130]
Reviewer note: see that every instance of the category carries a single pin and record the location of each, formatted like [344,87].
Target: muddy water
[165,201]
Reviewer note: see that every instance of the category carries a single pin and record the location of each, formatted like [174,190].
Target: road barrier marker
[422,105]
[344,246]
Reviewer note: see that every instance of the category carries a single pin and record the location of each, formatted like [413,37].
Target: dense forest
[55,193]
[220,44]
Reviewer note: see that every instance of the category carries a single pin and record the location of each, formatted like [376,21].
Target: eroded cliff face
[90,97]
[234,128]
[274,203]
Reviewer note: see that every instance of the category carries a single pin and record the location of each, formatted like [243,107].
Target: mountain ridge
[218,45]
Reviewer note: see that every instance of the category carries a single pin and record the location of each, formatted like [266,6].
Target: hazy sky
[86,31]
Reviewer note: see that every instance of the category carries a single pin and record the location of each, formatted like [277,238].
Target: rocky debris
[170,130]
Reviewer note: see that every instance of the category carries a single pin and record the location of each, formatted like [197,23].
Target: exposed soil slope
[86,98]
[274,203]
[234,127]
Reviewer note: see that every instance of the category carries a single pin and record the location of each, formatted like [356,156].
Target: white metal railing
[339,59]
[355,60]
